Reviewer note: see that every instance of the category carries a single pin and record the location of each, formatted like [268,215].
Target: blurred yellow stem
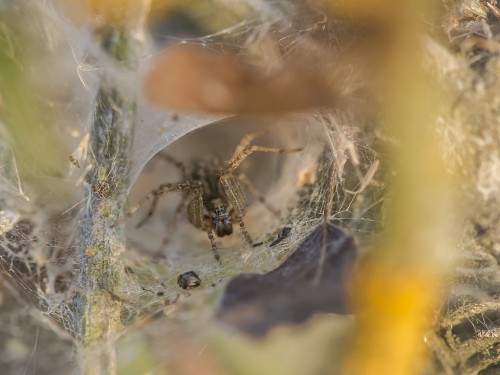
[399,284]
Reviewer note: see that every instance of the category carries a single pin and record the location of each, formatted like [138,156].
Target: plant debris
[293,292]
[189,280]
[284,234]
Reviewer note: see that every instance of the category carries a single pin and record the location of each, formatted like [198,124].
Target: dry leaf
[188,77]
[256,303]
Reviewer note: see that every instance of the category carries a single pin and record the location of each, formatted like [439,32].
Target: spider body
[213,194]
[221,201]
[215,201]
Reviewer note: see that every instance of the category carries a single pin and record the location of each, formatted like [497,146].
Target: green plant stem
[102,280]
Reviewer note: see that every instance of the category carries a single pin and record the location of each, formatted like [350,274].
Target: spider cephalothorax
[213,192]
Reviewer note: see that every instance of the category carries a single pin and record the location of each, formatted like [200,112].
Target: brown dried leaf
[256,303]
[190,78]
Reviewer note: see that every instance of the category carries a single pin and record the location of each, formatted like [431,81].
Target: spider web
[38,237]
[39,246]
[339,173]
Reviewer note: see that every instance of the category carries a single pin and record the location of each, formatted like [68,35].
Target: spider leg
[245,142]
[208,227]
[243,230]
[152,209]
[239,158]
[173,222]
[211,237]
[252,189]
[199,219]
[182,167]
[155,194]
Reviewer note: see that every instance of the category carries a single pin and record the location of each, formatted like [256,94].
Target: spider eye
[220,211]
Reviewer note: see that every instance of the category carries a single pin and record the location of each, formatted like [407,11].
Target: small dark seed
[188,280]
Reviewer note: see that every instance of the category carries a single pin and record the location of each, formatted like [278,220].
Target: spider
[213,192]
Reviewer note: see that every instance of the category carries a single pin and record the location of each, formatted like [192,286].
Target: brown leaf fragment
[191,78]
[256,303]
